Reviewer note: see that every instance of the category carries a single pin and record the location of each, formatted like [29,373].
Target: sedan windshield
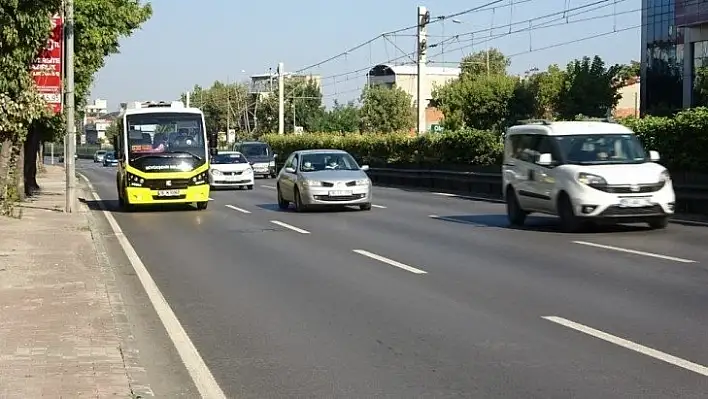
[110,155]
[224,159]
[255,150]
[599,149]
[327,161]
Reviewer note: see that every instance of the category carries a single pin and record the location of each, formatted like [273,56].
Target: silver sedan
[323,178]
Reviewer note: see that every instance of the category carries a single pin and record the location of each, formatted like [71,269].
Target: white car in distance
[230,169]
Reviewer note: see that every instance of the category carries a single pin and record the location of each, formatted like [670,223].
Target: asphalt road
[425,295]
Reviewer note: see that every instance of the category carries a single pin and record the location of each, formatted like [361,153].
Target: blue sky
[191,42]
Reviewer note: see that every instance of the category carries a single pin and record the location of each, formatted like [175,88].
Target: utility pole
[187,97]
[281,99]
[423,20]
[487,61]
[228,108]
[70,140]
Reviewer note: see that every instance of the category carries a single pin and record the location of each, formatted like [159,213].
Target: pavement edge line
[201,375]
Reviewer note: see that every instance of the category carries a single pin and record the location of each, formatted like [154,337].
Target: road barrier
[486,182]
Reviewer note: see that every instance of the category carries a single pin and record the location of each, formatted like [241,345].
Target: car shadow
[114,206]
[326,209]
[545,224]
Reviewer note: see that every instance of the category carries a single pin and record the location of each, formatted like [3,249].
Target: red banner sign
[47,69]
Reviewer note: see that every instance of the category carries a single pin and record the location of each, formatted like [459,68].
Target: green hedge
[469,147]
[681,140]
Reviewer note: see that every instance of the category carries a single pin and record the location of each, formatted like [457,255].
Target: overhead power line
[484,7]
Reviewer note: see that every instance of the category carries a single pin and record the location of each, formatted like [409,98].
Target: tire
[282,203]
[659,223]
[514,213]
[569,222]
[202,205]
[365,207]
[249,187]
[299,207]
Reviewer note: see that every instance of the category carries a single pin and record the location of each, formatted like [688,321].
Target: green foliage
[100,24]
[465,147]
[341,118]
[590,88]
[303,97]
[631,70]
[386,110]
[480,102]
[547,87]
[681,141]
[491,62]
[222,104]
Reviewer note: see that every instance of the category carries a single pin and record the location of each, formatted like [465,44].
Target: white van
[584,171]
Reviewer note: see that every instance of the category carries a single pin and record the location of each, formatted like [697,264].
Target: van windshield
[255,150]
[601,149]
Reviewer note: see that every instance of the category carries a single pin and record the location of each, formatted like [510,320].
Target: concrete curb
[137,375]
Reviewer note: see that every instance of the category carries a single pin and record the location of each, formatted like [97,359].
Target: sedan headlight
[591,180]
[248,171]
[271,163]
[215,172]
[664,177]
[363,182]
[312,183]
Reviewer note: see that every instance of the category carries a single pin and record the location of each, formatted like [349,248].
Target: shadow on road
[113,206]
[546,224]
[324,209]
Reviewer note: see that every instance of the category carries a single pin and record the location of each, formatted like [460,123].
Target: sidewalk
[58,335]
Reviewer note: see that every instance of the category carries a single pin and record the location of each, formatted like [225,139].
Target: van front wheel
[514,213]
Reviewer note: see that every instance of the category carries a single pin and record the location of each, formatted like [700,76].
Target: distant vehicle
[98,155]
[230,169]
[323,178]
[260,155]
[164,150]
[109,159]
[584,172]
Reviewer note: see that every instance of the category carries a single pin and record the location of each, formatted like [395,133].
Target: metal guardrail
[691,188]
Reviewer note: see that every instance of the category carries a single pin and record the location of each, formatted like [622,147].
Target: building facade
[674,48]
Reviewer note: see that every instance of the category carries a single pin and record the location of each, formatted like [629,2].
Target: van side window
[546,145]
[524,147]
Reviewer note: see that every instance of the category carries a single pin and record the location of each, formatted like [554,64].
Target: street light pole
[281,98]
[70,140]
[423,20]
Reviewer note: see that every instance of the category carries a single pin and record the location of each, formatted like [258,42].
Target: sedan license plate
[634,202]
[167,193]
[340,193]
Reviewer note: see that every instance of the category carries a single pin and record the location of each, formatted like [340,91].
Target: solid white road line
[268,187]
[378,206]
[237,209]
[291,227]
[389,261]
[635,252]
[198,370]
[446,194]
[676,361]
[470,197]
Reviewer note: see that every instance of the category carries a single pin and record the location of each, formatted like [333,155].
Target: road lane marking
[389,261]
[471,197]
[446,194]
[211,199]
[237,209]
[291,227]
[635,252]
[197,368]
[665,357]
[378,206]
[268,187]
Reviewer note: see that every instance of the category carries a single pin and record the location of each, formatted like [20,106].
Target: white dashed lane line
[268,187]
[237,209]
[378,206]
[289,226]
[665,357]
[634,252]
[388,261]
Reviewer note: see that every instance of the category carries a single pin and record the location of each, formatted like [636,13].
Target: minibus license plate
[168,193]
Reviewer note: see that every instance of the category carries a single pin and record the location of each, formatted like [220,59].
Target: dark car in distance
[110,159]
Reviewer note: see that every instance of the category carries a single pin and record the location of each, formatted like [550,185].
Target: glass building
[674,49]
